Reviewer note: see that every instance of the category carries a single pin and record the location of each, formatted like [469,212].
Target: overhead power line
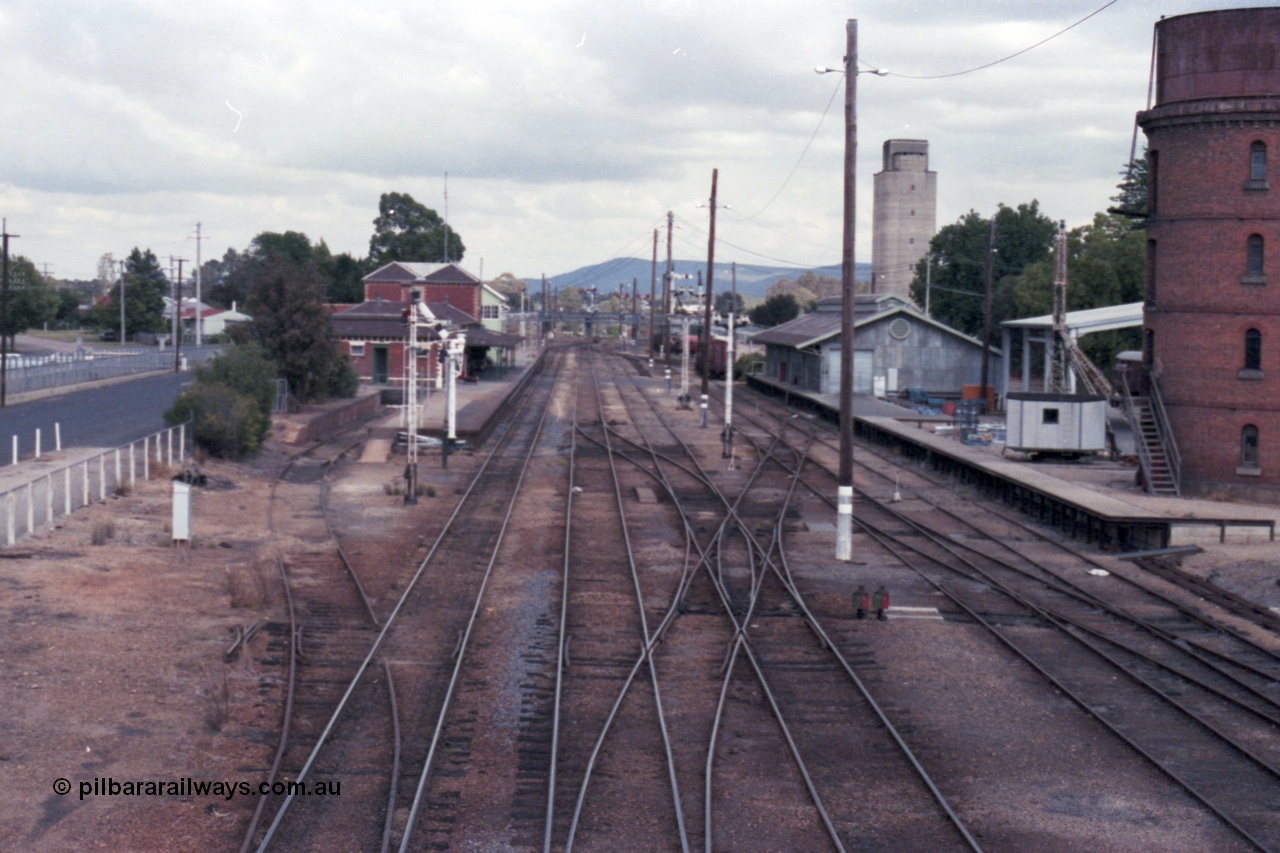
[1004,59]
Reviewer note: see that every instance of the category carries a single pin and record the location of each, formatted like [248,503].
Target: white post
[57,437]
[133,465]
[15,450]
[182,442]
[48,499]
[84,470]
[844,523]
[118,481]
[451,399]
[9,514]
[169,443]
[31,508]
[102,477]
[37,442]
[146,459]
[66,489]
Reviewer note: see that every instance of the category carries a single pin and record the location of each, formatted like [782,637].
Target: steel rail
[1065,587]
[1189,645]
[395,759]
[815,625]
[741,644]
[294,628]
[562,628]
[341,707]
[890,544]
[949,547]
[460,655]
[646,656]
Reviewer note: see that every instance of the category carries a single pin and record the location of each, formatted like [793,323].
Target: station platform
[477,406]
[1093,498]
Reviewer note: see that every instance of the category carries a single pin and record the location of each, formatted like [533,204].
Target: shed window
[1249,446]
[357,349]
[1050,416]
[1257,167]
[491,312]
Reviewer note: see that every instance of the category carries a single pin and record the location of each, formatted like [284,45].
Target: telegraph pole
[123,265]
[1058,382]
[706,310]
[666,293]
[844,488]
[199,319]
[4,312]
[653,280]
[986,310]
[177,315]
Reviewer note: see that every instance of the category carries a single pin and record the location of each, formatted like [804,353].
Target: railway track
[433,648]
[790,717]
[1170,680]
[330,619]
[619,640]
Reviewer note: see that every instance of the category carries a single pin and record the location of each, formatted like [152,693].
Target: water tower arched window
[1255,267]
[1253,350]
[1257,166]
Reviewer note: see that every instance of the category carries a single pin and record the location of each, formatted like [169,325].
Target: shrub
[225,423]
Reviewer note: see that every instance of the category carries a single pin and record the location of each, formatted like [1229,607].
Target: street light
[844,498]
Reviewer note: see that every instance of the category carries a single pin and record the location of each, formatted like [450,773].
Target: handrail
[1166,434]
[1140,443]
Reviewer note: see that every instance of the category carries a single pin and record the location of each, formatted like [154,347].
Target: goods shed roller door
[863,360]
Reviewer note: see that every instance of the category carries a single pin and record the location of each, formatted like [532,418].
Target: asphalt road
[105,416]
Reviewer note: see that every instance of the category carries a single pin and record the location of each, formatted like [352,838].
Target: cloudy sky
[567,128]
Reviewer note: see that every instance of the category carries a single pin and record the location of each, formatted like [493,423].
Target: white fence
[59,372]
[37,504]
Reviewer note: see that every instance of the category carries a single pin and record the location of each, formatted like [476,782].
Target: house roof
[479,336]
[384,319]
[412,272]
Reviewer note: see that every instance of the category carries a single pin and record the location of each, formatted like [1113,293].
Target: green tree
[776,309]
[292,247]
[569,299]
[292,324]
[145,287]
[342,275]
[1131,196]
[1106,265]
[727,302]
[67,314]
[230,402]
[512,288]
[1024,236]
[406,230]
[224,282]
[32,303]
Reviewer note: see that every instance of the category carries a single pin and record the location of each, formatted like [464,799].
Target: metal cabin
[1056,423]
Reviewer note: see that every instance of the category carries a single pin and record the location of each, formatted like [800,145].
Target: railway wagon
[717,351]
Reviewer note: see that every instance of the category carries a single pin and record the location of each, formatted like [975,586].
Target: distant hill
[752,280]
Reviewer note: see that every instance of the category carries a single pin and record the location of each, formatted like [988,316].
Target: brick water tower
[1212,305]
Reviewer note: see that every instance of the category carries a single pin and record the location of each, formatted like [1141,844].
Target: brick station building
[1212,303]
[374,332]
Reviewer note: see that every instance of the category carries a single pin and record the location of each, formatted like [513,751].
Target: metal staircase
[1153,438]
